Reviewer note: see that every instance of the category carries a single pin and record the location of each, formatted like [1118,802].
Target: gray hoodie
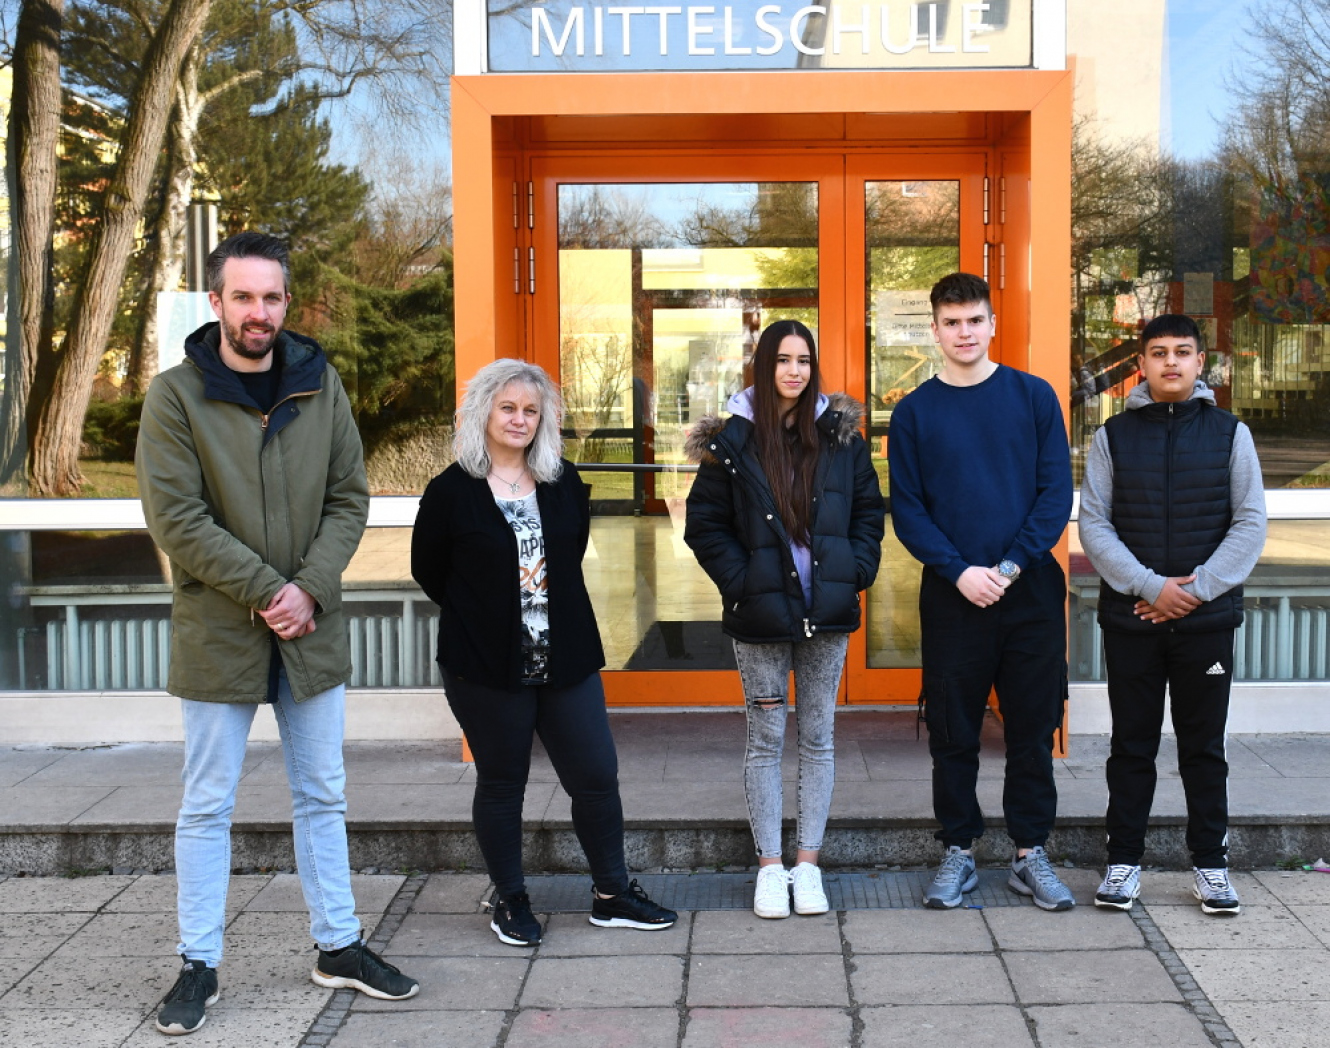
[1231,562]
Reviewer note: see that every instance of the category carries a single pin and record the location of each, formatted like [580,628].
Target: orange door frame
[1027,117]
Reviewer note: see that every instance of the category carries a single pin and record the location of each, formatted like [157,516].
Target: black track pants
[1198,671]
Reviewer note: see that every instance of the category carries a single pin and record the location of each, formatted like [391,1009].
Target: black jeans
[1198,669]
[1018,647]
[573,726]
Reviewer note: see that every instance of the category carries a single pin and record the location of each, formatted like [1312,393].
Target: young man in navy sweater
[1173,519]
[980,493]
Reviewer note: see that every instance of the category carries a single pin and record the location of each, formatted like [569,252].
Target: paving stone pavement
[86,959]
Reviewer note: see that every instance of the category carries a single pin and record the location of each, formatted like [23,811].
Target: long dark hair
[788,453]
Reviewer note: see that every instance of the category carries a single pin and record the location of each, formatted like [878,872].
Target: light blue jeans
[764,670]
[215,738]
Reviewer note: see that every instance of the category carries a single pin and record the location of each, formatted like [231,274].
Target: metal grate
[868,890]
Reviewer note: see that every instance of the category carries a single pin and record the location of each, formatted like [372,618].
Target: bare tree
[34,131]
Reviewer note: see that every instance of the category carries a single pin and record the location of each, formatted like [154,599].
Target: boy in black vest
[1173,519]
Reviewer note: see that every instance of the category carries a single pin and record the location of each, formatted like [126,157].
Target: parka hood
[839,413]
[303,364]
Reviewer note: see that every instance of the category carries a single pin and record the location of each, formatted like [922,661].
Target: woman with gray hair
[498,545]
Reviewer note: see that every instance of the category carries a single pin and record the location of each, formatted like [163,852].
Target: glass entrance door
[661,287]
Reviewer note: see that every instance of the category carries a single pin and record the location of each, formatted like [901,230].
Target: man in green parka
[253,483]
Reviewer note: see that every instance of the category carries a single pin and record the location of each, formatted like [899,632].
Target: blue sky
[1203,51]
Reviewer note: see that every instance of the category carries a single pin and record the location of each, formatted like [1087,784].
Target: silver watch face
[1008,569]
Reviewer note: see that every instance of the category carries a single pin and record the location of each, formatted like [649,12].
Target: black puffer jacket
[736,533]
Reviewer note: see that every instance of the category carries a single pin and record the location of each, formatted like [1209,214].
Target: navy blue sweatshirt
[980,474]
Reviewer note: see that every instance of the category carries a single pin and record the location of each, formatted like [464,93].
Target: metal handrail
[399,511]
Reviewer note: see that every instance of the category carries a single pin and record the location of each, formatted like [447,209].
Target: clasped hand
[1173,601]
[291,613]
[982,586]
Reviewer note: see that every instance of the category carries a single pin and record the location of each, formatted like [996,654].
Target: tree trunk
[55,463]
[169,232]
[34,133]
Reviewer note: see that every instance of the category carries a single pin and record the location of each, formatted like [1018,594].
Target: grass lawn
[108,480]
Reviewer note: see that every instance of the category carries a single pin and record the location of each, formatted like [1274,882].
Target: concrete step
[71,810]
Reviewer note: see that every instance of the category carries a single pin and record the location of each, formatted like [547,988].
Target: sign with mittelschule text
[587,36]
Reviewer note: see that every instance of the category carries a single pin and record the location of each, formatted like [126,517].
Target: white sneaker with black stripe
[1120,887]
[1215,892]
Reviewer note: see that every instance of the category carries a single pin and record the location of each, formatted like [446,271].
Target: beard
[236,340]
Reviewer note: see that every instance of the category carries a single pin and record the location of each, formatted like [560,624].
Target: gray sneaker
[1034,876]
[953,879]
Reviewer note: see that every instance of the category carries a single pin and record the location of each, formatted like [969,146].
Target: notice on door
[904,318]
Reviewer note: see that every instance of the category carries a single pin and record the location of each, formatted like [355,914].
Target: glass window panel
[913,239]
[90,611]
[1286,632]
[663,291]
[1200,188]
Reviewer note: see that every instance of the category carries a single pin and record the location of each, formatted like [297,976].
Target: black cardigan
[464,556]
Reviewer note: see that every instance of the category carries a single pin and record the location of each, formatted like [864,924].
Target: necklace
[513,485]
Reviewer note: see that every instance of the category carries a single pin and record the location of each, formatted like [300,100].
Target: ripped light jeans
[764,670]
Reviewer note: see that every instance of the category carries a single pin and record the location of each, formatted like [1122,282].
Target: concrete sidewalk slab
[743,932]
[418,1029]
[1082,1025]
[1090,976]
[939,978]
[591,982]
[945,1026]
[769,1027]
[583,1027]
[782,980]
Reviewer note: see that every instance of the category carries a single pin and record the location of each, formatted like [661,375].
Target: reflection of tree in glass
[1123,203]
[913,233]
[597,375]
[601,218]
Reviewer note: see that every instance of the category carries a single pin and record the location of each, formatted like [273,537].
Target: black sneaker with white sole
[630,909]
[357,967]
[184,1008]
[512,921]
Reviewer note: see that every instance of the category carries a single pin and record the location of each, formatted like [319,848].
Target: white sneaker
[1216,894]
[771,898]
[809,898]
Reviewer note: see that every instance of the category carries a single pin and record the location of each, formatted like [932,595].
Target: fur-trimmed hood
[850,414]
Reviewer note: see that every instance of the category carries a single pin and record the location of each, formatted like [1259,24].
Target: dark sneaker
[1216,894]
[357,967]
[953,879]
[1034,876]
[630,909]
[512,920]
[1120,887]
[184,1009]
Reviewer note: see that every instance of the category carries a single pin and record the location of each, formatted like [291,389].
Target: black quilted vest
[1171,504]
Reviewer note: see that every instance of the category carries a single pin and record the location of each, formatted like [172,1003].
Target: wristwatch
[1009,569]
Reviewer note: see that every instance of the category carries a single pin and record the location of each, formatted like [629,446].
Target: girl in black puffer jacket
[786,516]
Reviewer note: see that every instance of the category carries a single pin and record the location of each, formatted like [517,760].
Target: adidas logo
[1215,670]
